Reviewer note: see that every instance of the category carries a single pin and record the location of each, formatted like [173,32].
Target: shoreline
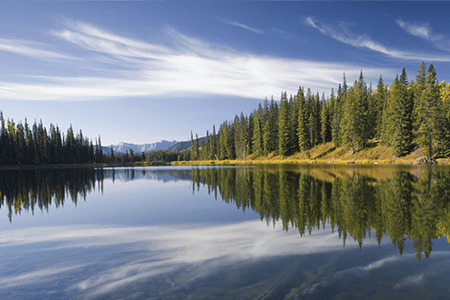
[307,162]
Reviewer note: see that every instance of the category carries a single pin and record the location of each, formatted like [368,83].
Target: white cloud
[31,49]
[35,276]
[424,31]
[182,66]
[234,23]
[419,30]
[343,35]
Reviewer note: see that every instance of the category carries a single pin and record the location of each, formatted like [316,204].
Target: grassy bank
[327,153]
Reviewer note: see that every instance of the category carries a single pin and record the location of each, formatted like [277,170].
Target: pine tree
[336,117]
[354,121]
[249,135]
[402,104]
[342,102]
[371,113]
[421,81]
[302,129]
[293,139]
[444,126]
[240,140]
[427,112]
[283,126]
[362,106]
[3,139]
[312,103]
[257,137]
[213,144]
[379,103]
[324,121]
[270,137]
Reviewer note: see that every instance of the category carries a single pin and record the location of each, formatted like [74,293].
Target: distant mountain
[184,145]
[137,149]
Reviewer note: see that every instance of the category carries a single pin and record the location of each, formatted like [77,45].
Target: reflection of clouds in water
[35,276]
[115,278]
[359,271]
[172,248]
[412,280]
[437,270]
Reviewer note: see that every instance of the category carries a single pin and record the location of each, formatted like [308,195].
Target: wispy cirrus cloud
[235,23]
[283,34]
[180,65]
[37,276]
[419,30]
[343,35]
[423,30]
[30,49]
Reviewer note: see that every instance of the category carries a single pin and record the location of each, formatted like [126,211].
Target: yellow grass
[327,153]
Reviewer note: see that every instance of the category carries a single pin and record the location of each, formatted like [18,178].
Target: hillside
[184,145]
[327,153]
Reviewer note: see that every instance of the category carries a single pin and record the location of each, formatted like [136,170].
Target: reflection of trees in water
[403,206]
[28,189]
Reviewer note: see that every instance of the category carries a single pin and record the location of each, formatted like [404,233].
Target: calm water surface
[262,232]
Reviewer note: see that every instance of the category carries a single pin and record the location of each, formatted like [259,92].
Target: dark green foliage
[325,121]
[270,128]
[378,105]
[402,104]
[427,112]
[314,107]
[257,137]
[284,127]
[241,135]
[22,145]
[302,129]
[354,120]
[401,117]
[336,117]
[444,131]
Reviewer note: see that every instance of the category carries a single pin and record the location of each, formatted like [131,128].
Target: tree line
[129,157]
[25,144]
[405,116]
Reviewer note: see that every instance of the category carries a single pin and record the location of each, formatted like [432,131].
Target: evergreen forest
[406,116]
[24,144]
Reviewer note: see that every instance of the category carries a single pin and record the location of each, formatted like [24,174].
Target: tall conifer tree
[302,129]
[401,117]
[428,114]
[283,126]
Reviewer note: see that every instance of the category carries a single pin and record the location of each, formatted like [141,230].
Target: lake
[229,232]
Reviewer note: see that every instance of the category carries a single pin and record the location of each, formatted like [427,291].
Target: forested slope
[404,116]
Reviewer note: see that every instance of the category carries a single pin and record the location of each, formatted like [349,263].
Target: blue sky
[141,72]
